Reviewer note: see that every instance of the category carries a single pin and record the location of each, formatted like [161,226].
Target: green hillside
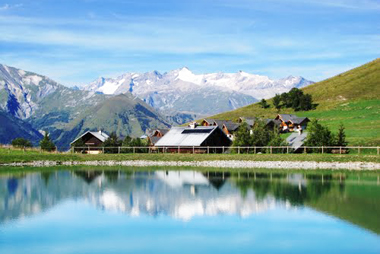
[12,127]
[351,98]
[123,114]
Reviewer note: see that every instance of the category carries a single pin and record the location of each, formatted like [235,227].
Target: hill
[12,127]
[351,98]
[66,113]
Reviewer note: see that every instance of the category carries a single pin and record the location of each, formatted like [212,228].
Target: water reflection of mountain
[178,194]
[184,194]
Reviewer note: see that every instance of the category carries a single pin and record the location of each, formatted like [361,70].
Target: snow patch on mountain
[180,88]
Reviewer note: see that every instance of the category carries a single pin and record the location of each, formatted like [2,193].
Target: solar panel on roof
[188,131]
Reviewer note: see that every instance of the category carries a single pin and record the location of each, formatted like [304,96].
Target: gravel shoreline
[214,164]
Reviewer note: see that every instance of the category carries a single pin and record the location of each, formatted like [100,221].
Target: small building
[290,122]
[193,139]
[269,123]
[155,135]
[91,139]
[228,126]
[208,122]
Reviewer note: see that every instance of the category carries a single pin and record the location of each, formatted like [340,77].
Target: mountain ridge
[174,91]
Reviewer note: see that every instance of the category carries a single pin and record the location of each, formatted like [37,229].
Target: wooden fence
[232,149]
[214,149]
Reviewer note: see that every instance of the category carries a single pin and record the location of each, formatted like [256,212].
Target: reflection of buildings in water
[181,195]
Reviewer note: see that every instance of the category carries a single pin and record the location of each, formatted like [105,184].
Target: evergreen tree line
[114,141]
[258,135]
[319,135]
[46,143]
[295,99]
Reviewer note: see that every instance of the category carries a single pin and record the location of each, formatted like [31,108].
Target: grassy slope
[9,156]
[351,98]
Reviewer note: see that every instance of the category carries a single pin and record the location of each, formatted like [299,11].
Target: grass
[10,156]
[351,98]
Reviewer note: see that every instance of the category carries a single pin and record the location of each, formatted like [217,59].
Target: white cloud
[6,7]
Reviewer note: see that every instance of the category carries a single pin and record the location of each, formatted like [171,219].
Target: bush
[46,144]
[263,103]
[21,143]
[294,99]
[112,143]
[319,135]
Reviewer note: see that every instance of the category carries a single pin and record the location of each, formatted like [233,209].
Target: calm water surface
[122,211]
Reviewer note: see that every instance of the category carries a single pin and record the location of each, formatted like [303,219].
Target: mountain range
[183,92]
[35,101]
[31,104]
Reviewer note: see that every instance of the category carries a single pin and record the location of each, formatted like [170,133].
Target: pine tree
[277,102]
[263,103]
[341,137]
[46,144]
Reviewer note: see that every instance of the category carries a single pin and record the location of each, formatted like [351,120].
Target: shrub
[21,142]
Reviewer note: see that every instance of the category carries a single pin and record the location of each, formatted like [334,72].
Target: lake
[127,210]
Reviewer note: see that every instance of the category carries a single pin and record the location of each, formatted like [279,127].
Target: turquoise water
[123,211]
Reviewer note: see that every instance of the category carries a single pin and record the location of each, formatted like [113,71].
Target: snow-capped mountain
[31,102]
[183,91]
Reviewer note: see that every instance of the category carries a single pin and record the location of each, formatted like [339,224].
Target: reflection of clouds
[177,179]
[172,196]
[181,195]
[110,201]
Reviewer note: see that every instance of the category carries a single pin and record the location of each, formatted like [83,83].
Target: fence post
[223,150]
[193,150]
[322,149]
[358,149]
[178,150]
[270,149]
[340,150]
[254,150]
[208,149]
[88,149]
[118,149]
[103,149]
[287,149]
[238,149]
[134,149]
[304,149]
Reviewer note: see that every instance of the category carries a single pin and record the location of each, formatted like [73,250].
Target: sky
[76,41]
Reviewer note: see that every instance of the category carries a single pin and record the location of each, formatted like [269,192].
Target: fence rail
[214,149]
[231,149]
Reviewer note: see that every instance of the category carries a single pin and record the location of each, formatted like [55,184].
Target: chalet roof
[102,136]
[154,139]
[210,121]
[292,118]
[185,136]
[252,121]
[163,131]
[231,126]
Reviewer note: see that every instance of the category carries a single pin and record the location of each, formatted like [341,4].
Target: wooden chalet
[193,139]
[227,126]
[91,139]
[290,122]
[155,135]
[269,123]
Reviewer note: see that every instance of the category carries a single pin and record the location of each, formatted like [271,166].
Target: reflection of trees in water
[217,179]
[88,176]
[295,191]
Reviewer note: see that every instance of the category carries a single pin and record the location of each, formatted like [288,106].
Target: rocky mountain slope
[65,113]
[181,91]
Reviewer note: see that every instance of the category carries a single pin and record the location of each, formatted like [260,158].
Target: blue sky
[76,41]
